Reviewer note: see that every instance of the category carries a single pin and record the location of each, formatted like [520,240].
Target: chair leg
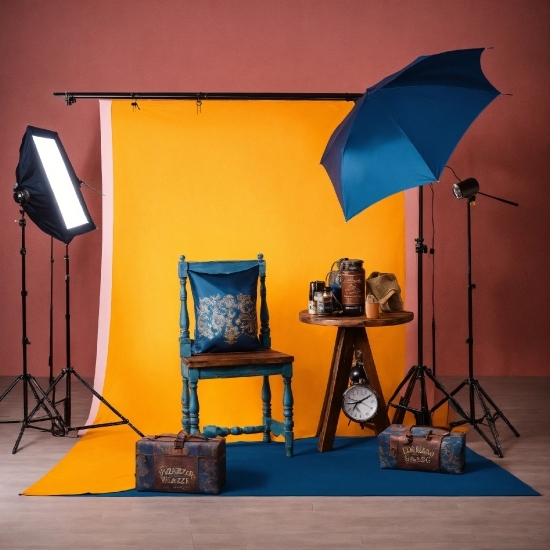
[288,402]
[266,399]
[185,422]
[193,402]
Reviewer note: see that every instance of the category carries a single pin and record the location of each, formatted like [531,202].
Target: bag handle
[439,432]
[182,437]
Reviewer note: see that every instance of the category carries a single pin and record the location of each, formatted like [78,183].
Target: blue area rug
[350,469]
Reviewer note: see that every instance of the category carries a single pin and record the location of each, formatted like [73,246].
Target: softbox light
[47,187]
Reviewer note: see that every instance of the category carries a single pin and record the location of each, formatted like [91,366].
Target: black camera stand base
[423,415]
[487,419]
[65,423]
[42,402]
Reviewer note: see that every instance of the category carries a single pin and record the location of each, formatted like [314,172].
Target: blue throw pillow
[225,311]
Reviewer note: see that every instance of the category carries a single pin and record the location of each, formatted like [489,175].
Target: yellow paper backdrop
[236,179]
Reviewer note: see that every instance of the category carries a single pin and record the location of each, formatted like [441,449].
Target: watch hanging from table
[359,402]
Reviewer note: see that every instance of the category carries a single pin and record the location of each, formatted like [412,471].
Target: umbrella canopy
[402,131]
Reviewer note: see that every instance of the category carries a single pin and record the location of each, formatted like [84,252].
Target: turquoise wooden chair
[228,325]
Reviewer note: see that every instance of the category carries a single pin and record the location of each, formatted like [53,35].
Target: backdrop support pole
[71,97]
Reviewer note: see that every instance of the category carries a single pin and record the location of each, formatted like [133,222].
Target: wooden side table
[351,336]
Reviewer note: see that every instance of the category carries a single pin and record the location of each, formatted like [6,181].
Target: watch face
[359,403]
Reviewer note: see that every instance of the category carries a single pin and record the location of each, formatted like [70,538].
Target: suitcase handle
[432,432]
[183,436]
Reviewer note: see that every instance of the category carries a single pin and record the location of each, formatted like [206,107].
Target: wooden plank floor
[503,523]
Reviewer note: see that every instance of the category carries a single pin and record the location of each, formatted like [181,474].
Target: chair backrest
[220,268]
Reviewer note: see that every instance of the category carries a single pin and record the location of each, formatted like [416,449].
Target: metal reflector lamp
[466,188]
[47,187]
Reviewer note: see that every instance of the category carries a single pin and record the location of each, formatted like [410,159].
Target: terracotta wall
[287,46]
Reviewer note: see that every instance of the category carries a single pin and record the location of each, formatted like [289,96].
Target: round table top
[385,320]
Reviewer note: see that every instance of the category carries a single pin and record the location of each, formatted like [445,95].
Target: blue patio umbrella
[402,131]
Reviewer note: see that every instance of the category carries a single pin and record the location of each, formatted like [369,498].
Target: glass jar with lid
[353,288]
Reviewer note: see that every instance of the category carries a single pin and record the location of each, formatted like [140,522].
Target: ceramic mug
[372,310]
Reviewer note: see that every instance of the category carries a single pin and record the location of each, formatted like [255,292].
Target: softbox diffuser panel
[55,203]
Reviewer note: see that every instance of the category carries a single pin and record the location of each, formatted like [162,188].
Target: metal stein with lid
[353,288]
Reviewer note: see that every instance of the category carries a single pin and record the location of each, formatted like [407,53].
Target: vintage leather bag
[424,448]
[418,452]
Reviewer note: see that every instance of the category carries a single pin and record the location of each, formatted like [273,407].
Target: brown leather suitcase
[180,463]
[424,448]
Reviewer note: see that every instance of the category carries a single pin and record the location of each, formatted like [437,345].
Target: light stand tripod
[67,374]
[29,381]
[419,373]
[475,388]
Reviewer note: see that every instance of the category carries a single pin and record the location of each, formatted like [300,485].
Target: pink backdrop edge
[105,288]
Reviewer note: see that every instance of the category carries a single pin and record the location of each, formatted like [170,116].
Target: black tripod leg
[496,449]
[106,403]
[448,397]
[24,423]
[404,381]
[39,399]
[52,412]
[498,412]
[12,385]
[423,417]
[399,415]
[54,418]
[490,422]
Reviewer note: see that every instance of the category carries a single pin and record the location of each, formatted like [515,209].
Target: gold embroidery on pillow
[228,316]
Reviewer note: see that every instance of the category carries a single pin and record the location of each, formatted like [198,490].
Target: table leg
[381,420]
[337,384]
[347,341]
[339,336]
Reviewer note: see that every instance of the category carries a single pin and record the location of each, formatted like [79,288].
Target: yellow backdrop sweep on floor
[233,180]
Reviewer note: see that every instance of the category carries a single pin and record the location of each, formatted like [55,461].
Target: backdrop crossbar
[71,97]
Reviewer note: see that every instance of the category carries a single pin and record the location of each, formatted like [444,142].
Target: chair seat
[260,357]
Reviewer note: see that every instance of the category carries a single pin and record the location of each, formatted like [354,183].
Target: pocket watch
[359,402]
